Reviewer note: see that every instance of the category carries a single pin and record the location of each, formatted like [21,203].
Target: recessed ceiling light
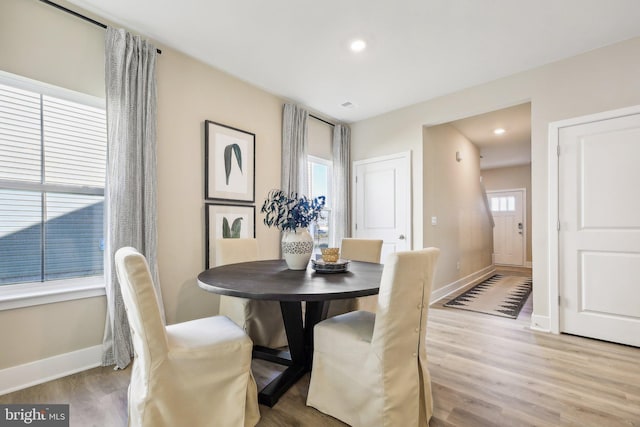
[358,45]
[499,131]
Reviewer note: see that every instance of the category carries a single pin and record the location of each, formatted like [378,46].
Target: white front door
[599,237]
[383,201]
[509,231]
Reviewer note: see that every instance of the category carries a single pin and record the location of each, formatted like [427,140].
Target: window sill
[30,294]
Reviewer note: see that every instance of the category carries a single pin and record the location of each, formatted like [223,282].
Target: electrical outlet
[458,265]
[434,220]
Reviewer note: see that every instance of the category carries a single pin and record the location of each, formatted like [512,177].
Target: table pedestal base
[299,358]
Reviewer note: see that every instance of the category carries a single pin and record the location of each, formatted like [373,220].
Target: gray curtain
[294,149]
[130,68]
[341,205]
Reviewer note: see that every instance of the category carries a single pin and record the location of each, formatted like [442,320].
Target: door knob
[401,237]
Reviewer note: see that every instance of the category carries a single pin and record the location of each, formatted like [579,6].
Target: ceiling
[416,49]
[511,148]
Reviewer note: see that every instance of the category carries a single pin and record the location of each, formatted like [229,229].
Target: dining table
[273,280]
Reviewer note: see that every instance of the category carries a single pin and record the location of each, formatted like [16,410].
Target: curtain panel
[341,147]
[294,149]
[130,70]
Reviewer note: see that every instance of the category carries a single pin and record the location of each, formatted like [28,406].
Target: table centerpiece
[293,214]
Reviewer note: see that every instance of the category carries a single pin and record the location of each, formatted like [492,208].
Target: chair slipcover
[371,369]
[365,250]
[261,320]
[196,373]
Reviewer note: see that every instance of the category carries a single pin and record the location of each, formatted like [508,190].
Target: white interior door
[509,236]
[383,201]
[599,237]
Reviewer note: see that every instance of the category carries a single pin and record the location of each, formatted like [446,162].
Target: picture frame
[229,163]
[226,221]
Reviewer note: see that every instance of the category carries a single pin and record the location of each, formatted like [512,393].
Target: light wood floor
[486,371]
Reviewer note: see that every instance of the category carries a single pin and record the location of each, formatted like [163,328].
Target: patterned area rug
[499,295]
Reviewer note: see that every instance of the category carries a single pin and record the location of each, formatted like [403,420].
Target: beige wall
[510,178]
[600,80]
[188,93]
[42,43]
[453,195]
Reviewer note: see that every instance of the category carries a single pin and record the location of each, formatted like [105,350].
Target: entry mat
[499,295]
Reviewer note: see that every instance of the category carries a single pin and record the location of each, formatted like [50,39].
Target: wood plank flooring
[486,371]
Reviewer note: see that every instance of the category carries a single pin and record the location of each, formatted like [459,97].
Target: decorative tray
[321,266]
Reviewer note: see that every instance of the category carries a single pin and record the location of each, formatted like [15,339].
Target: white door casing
[382,201]
[509,232]
[598,227]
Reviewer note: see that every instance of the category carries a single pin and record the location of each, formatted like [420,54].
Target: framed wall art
[229,168]
[226,222]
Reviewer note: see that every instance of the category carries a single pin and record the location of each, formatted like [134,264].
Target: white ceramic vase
[297,247]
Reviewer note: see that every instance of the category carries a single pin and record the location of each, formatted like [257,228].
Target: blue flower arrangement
[289,212]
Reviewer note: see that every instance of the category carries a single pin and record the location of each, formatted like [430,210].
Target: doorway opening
[503,138]
[499,149]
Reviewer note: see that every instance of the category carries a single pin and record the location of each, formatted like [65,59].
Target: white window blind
[20,140]
[52,173]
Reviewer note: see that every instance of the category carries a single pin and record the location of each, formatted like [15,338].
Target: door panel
[604,158]
[382,201]
[599,237]
[604,267]
[377,181]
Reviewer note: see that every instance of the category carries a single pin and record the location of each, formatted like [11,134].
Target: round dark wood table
[272,280]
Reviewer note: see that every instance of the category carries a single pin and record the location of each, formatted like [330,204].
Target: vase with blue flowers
[293,214]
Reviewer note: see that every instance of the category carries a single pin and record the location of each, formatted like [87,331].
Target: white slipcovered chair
[365,250]
[261,320]
[370,369]
[195,373]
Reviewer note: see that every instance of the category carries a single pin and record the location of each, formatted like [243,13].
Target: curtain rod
[322,120]
[78,15]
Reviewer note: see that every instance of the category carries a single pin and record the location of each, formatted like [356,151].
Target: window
[503,204]
[52,171]
[319,174]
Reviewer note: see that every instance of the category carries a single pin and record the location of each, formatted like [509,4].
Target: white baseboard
[540,323]
[51,368]
[478,276]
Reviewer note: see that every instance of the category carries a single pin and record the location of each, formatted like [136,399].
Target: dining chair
[195,373]
[365,250]
[261,320]
[371,369]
